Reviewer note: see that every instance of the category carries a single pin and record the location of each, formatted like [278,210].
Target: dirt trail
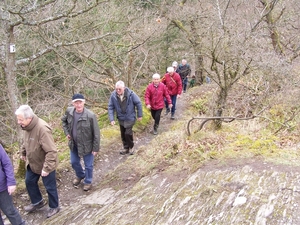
[108,159]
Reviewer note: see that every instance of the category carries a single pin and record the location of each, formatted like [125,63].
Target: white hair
[120,84]
[25,111]
[156,76]
[170,69]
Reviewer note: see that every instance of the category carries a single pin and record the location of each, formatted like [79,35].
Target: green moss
[141,125]
[59,135]
[103,120]
[64,155]
[200,105]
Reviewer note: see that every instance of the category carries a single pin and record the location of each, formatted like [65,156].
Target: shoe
[155,129]
[172,117]
[124,152]
[77,181]
[131,151]
[52,212]
[31,208]
[87,187]
[167,111]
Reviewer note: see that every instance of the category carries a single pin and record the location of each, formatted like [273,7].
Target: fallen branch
[223,119]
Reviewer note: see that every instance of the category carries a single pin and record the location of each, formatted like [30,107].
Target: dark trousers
[31,181]
[184,84]
[156,116]
[127,133]
[7,207]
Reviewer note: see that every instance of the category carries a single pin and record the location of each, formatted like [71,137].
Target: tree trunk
[199,69]
[271,21]
[12,88]
[220,103]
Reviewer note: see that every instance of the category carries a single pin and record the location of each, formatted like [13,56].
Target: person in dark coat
[184,71]
[155,94]
[82,130]
[128,108]
[7,187]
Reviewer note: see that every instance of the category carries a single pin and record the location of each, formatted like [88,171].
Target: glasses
[119,89]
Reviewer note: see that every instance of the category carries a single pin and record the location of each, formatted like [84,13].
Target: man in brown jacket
[40,153]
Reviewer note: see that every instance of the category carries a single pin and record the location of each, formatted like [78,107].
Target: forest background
[53,49]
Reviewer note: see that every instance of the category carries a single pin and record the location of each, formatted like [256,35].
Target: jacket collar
[32,124]
[73,109]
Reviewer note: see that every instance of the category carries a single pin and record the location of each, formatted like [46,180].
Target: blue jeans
[88,160]
[31,181]
[7,207]
[173,99]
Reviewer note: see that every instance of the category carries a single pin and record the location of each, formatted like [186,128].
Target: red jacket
[173,83]
[154,96]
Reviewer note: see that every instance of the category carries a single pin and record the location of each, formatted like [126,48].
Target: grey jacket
[88,131]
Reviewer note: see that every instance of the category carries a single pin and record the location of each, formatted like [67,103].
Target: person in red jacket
[155,94]
[174,85]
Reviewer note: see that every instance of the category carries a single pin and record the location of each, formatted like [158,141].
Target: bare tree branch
[56,45]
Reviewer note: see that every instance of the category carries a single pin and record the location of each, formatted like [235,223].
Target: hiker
[173,82]
[82,130]
[128,107]
[175,66]
[184,71]
[192,81]
[7,187]
[40,154]
[155,94]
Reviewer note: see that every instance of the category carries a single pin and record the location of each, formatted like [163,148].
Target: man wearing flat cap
[82,130]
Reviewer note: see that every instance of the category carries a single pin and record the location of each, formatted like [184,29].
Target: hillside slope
[155,187]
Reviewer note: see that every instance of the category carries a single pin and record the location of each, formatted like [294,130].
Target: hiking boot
[125,151]
[52,212]
[172,117]
[87,187]
[155,129]
[167,111]
[77,181]
[131,151]
[31,208]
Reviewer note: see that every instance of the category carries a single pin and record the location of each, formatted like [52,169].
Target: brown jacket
[39,147]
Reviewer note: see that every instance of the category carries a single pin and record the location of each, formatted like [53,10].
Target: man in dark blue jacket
[184,71]
[127,106]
